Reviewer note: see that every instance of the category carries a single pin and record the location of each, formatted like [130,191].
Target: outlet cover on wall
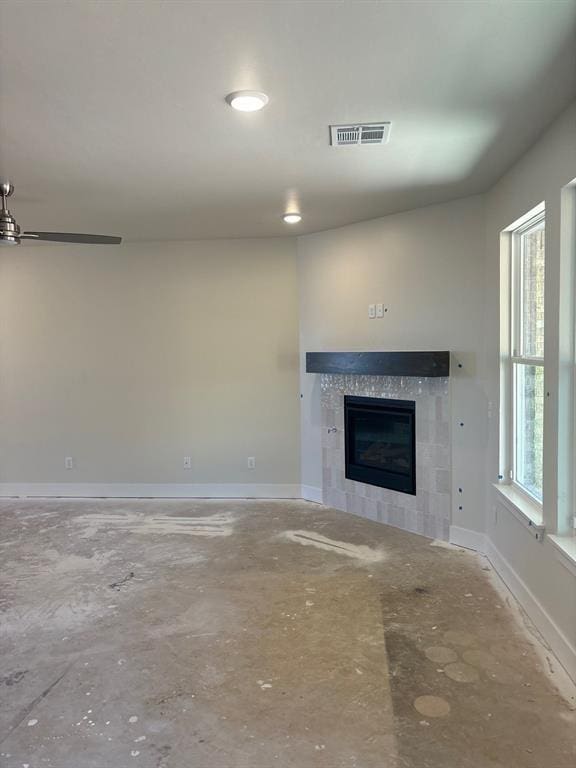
[187,463]
[251,462]
[69,462]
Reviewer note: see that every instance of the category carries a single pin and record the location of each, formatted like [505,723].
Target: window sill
[565,551]
[526,511]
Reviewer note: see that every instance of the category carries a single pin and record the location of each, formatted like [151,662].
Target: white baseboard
[161,490]
[562,648]
[310,493]
[465,537]
[152,490]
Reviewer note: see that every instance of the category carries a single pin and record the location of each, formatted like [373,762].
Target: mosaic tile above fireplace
[428,511]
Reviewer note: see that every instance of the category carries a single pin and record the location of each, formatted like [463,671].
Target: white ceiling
[112,114]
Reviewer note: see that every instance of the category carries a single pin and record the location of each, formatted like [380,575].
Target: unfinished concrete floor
[254,634]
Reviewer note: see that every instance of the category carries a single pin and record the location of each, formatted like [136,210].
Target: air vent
[352,135]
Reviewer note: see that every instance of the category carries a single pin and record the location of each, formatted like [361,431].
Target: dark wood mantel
[379,363]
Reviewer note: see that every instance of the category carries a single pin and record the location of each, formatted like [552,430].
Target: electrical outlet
[69,462]
[187,462]
[379,310]
[251,462]
[371,311]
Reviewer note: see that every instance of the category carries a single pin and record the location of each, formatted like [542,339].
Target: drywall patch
[356,551]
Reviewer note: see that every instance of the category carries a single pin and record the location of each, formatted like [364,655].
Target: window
[527,355]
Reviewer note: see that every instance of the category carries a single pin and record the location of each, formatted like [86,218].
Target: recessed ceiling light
[292,218]
[247,101]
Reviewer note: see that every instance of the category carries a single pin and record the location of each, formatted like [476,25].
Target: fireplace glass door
[381,442]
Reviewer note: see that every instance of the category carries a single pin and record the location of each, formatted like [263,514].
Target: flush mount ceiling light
[292,218]
[247,101]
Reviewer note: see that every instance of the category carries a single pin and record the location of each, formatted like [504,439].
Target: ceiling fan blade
[71,237]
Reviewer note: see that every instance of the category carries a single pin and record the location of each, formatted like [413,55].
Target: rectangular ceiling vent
[364,133]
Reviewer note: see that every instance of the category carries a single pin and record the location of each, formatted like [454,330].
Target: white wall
[543,577]
[427,267]
[130,358]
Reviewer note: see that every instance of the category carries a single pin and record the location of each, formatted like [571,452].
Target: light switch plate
[379,310]
[371,311]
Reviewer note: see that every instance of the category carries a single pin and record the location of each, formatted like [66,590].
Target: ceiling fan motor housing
[9,229]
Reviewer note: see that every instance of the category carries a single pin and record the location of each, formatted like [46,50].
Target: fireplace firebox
[381,442]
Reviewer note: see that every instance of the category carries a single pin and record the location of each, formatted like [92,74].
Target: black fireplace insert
[381,442]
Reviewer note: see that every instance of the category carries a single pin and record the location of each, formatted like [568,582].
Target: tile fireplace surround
[428,512]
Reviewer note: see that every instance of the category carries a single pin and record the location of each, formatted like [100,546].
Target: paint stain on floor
[358,552]
[210,526]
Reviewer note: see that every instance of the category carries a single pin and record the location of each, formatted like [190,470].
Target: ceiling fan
[10,231]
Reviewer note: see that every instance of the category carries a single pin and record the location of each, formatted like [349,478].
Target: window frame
[516,356]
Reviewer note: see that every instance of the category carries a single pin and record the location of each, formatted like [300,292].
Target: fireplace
[381,442]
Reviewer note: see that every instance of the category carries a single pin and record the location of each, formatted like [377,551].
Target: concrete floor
[254,634]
